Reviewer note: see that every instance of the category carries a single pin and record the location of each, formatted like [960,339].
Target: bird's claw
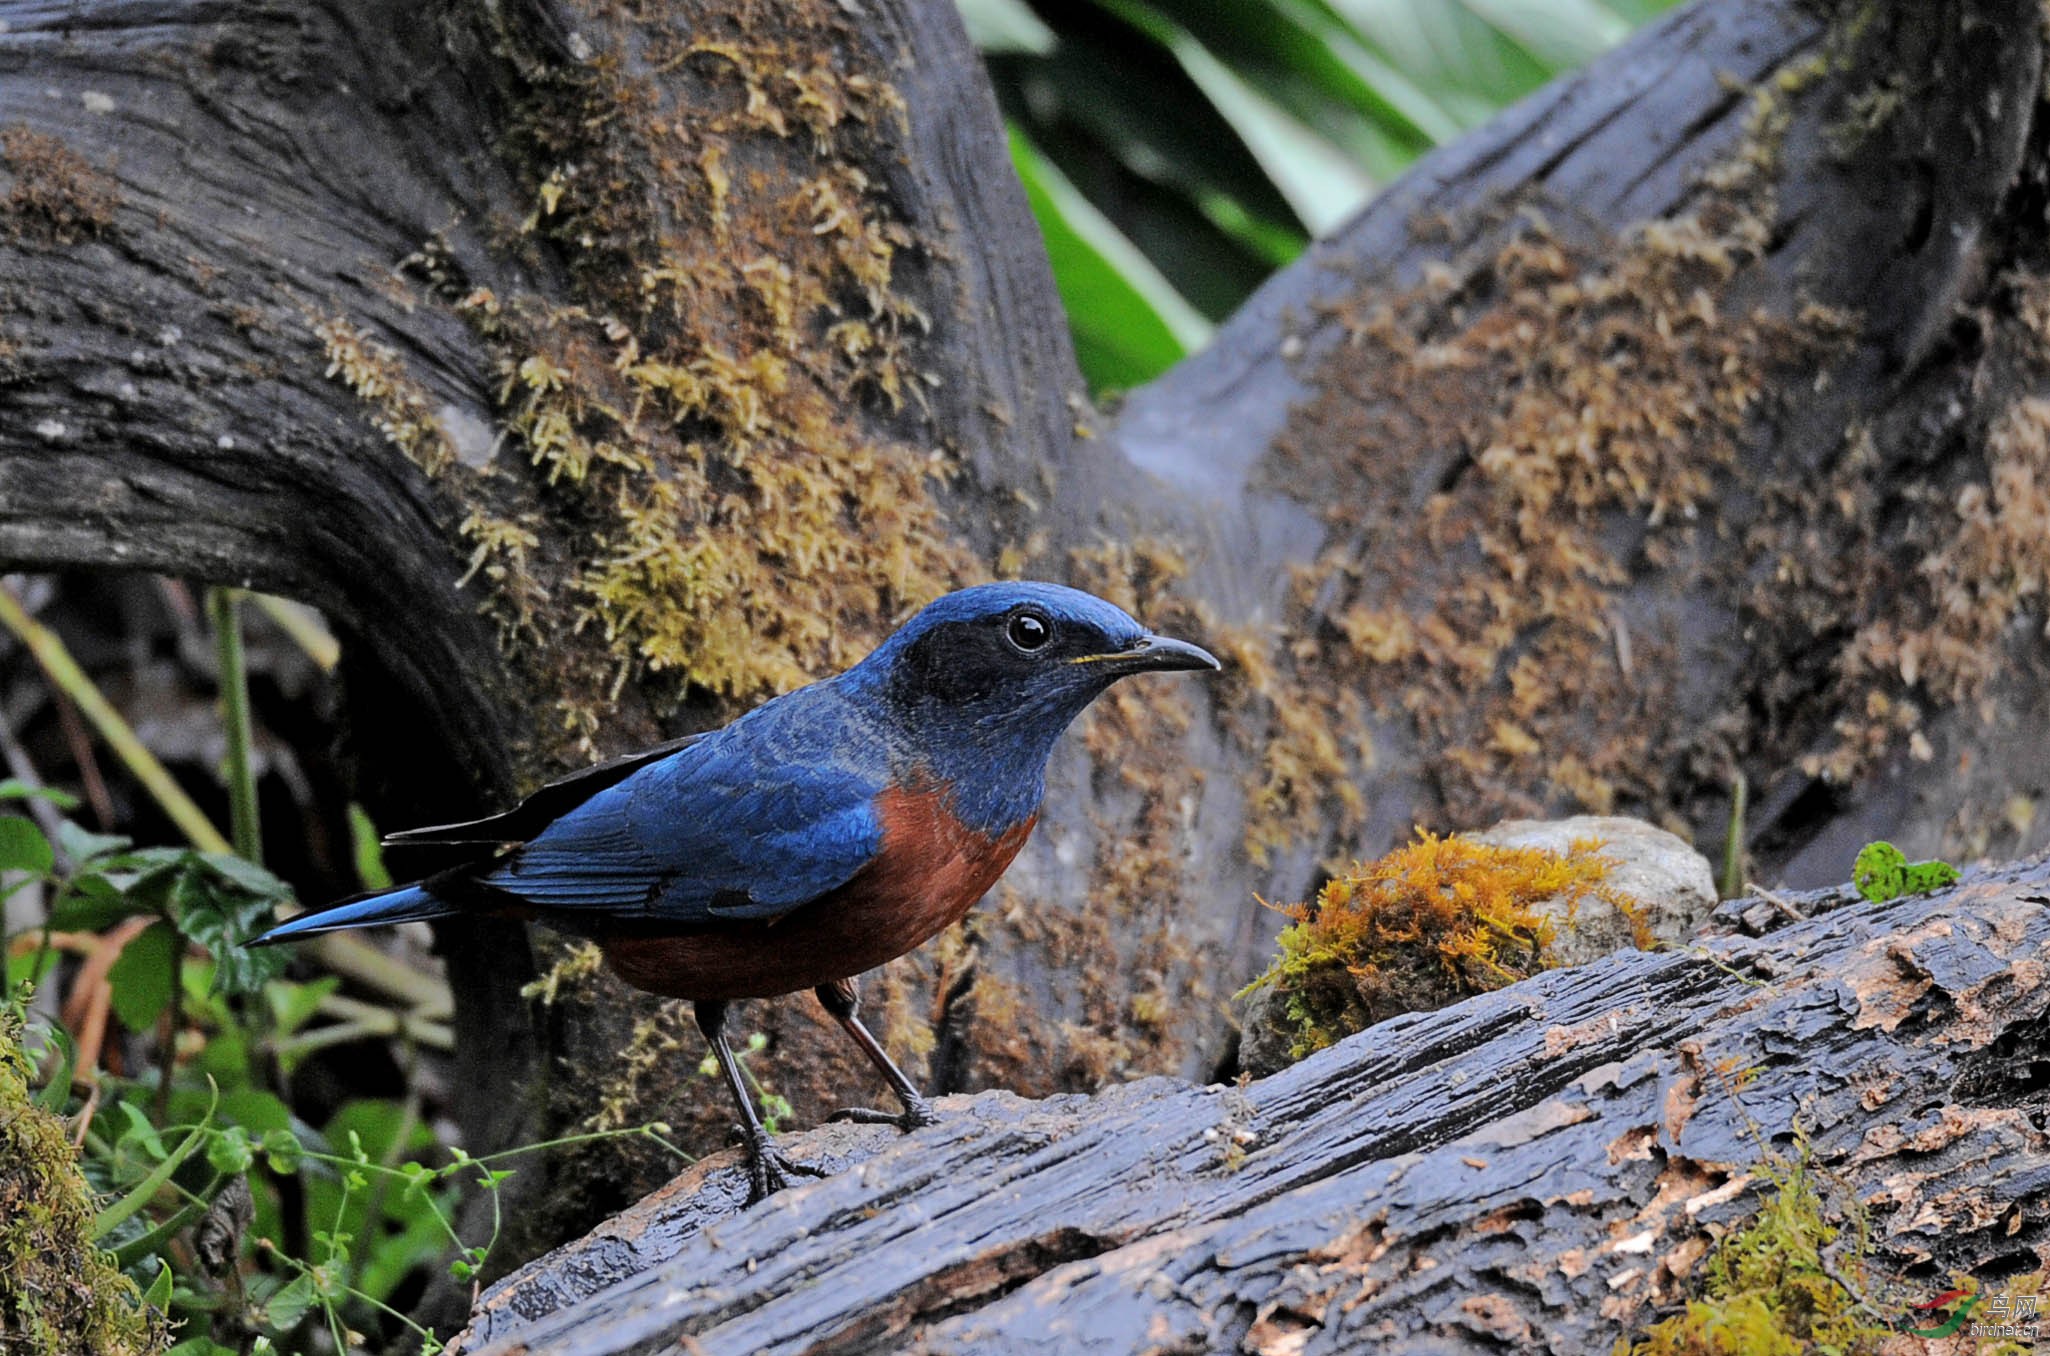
[915,1115]
[769,1170]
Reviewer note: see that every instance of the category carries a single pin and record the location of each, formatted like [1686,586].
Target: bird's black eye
[1029,631]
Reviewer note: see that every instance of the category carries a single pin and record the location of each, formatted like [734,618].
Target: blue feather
[407,904]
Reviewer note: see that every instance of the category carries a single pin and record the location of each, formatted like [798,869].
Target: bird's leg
[840,999]
[767,1170]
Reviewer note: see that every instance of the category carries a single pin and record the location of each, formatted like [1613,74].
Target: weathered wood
[165,403]
[1534,1169]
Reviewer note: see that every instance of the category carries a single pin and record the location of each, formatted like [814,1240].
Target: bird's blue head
[985,680]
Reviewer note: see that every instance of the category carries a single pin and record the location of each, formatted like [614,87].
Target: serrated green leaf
[142,980]
[215,910]
[23,847]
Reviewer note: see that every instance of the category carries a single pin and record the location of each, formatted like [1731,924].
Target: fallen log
[1539,1168]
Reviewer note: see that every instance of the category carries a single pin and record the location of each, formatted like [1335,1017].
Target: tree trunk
[599,374]
[1537,1169]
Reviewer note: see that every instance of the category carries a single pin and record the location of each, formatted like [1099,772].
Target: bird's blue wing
[750,822]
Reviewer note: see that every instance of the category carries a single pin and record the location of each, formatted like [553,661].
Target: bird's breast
[928,872]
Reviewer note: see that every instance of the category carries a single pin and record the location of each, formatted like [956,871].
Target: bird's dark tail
[407,904]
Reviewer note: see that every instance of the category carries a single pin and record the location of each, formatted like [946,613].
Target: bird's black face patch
[1024,649]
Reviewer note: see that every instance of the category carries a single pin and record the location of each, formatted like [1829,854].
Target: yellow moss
[692,488]
[1767,1291]
[55,195]
[1430,923]
[575,967]
[401,408]
[1589,399]
[59,1294]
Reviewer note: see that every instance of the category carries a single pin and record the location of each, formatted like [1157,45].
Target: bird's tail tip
[407,904]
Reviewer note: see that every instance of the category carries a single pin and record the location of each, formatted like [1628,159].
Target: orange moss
[56,196]
[1430,923]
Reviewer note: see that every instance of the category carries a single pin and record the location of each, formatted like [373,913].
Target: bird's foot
[917,1112]
[769,1170]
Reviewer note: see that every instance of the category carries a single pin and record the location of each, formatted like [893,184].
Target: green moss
[59,1295]
[1882,872]
[1768,1290]
[1430,923]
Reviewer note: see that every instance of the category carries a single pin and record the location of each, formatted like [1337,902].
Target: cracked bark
[1538,1169]
[164,405]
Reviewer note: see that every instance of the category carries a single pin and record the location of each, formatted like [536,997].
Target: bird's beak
[1152,654]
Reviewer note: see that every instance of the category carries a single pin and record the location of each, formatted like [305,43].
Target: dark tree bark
[1537,1169]
[599,372]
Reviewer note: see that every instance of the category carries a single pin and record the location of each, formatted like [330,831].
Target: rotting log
[1537,1169]
[1682,422]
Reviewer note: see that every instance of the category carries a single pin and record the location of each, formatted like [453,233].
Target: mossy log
[1537,1169]
[601,369]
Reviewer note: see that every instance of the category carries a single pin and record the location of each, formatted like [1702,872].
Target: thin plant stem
[224,609]
[68,678]
[1733,841]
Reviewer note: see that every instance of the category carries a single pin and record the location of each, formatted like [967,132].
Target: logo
[1951,1324]
[2008,1316]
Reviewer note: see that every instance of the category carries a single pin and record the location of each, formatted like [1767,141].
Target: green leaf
[23,847]
[142,978]
[202,1346]
[255,1110]
[1005,26]
[13,788]
[229,1152]
[293,1005]
[368,850]
[1129,322]
[283,1310]
[140,1133]
[1322,183]
[92,903]
[246,876]
[27,967]
[221,902]
[142,1192]
[55,1095]
[82,845]
[282,1151]
[158,1295]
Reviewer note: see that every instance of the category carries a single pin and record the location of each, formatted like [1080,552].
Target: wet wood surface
[1536,1169]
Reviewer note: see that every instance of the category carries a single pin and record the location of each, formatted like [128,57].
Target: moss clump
[1768,1288]
[56,197]
[59,1295]
[1429,924]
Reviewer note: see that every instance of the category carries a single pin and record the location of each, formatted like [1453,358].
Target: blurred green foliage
[1176,152]
[237,1219]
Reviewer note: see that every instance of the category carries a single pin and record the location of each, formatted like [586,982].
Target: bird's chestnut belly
[929,873]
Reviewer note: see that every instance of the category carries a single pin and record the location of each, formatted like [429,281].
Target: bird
[821,834]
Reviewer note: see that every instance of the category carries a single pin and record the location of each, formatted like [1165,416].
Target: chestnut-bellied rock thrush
[821,834]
